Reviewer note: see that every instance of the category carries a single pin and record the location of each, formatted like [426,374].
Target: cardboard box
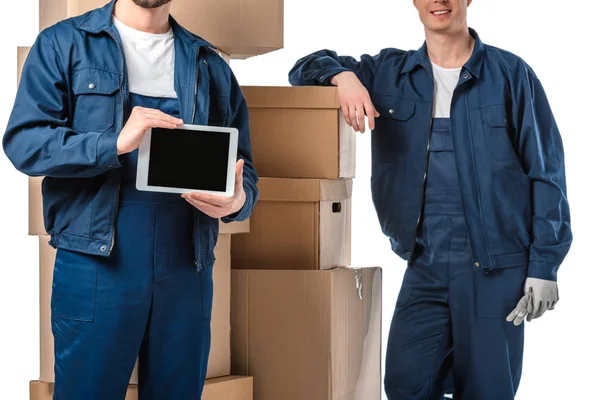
[297,224]
[300,132]
[219,362]
[22,53]
[308,334]
[36,218]
[240,28]
[226,388]
[229,388]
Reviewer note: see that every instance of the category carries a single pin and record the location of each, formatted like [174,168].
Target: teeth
[441,12]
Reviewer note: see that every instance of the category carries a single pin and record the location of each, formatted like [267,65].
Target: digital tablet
[189,158]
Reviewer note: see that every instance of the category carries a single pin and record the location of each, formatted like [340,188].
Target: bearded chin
[151,3]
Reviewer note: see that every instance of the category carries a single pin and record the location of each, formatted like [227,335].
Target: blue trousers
[448,333]
[146,298]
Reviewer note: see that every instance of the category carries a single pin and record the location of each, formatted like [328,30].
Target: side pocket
[207,287]
[74,286]
[499,290]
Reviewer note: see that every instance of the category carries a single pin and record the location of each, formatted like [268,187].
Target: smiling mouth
[441,12]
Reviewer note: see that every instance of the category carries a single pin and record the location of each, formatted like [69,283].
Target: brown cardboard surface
[21,57]
[297,224]
[219,359]
[299,132]
[219,362]
[229,388]
[226,388]
[36,219]
[308,334]
[240,28]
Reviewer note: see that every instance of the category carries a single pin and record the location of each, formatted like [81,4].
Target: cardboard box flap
[304,190]
[291,97]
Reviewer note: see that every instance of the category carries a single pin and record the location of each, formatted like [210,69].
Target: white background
[557,38]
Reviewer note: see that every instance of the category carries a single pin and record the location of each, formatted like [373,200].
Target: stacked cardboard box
[229,387]
[239,30]
[303,324]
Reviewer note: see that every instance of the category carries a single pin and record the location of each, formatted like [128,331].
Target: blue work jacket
[70,107]
[509,152]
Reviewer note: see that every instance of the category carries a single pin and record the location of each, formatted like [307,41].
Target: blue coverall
[146,296]
[475,203]
[440,325]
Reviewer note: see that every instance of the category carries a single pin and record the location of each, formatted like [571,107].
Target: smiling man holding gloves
[133,271]
[468,182]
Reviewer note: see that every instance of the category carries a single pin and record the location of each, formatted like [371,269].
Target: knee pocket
[499,290]
[74,286]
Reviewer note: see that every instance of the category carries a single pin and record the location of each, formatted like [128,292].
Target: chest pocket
[392,129]
[96,95]
[218,110]
[497,133]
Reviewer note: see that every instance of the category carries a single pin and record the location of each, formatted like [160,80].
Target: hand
[540,295]
[218,206]
[355,101]
[140,120]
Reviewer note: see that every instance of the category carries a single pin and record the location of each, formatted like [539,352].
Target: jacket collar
[473,65]
[100,19]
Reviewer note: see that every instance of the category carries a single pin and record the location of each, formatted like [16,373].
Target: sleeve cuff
[106,153]
[325,76]
[244,212]
[542,270]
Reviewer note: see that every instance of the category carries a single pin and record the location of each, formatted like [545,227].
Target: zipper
[423,187]
[114,227]
[485,237]
[196,85]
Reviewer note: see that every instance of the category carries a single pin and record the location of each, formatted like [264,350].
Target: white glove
[540,295]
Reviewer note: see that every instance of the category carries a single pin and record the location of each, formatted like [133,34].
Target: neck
[151,20]
[449,50]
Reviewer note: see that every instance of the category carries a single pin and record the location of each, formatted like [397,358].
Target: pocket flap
[494,116]
[511,260]
[395,107]
[95,81]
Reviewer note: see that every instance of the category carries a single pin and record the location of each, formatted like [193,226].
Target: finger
[218,201]
[520,318]
[346,112]
[543,309]
[370,115]
[239,171]
[537,304]
[552,305]
[157,114]
[208,209]
[352,115]
[513,314]
[530,303]
[159,123]
[360,116]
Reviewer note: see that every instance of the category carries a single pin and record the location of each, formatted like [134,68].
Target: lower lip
[442,16]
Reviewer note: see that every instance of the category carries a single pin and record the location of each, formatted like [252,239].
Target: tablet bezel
[144,159]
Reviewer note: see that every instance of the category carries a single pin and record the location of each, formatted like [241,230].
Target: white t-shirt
[150,61]
[445,81]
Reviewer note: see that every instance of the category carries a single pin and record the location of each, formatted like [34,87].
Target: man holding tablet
[133,271]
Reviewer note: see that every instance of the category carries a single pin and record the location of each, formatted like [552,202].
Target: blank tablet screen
[188,159]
